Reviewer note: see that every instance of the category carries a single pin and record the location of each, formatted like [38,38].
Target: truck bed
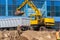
[14,22]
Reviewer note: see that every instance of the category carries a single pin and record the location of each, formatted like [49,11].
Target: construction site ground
[27,35]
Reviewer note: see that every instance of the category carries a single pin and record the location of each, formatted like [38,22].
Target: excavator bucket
[19,13]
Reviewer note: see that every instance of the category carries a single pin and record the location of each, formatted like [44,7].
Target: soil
[27,35]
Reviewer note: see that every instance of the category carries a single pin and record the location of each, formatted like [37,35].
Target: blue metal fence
[8,7]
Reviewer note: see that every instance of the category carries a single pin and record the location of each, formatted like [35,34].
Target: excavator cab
[34,19]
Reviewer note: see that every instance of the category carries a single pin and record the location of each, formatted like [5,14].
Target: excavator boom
[34,8]
[30,3]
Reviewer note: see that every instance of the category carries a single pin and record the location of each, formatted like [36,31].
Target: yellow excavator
[37,20]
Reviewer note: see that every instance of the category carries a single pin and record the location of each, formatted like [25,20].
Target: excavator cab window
[33,18]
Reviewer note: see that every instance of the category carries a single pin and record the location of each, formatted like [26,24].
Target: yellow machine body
[49,21]
[37,20]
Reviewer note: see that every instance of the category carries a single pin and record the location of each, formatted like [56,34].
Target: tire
[42,28]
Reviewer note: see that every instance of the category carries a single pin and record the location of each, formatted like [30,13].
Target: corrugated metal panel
[13,22]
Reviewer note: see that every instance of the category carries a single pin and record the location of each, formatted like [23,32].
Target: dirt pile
[11,35]
[39,35]
[27,35]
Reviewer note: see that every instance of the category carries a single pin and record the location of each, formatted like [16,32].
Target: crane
[36,20]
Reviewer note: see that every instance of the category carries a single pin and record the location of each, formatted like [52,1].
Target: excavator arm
[30,3]
[22,5]
[34,8]
[18,12]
